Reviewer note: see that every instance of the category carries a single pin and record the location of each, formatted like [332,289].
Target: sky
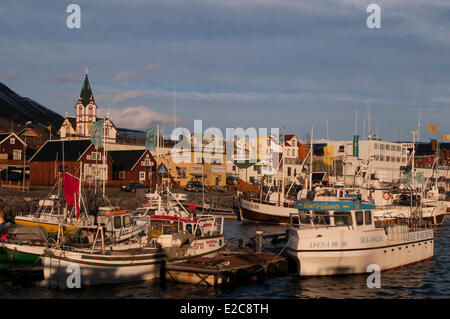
[238,63]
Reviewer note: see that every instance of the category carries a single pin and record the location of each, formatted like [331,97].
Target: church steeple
[86,92]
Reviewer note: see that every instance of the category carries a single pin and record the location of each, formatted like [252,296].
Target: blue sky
[246,63]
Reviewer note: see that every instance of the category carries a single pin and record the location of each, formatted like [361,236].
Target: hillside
[14,107]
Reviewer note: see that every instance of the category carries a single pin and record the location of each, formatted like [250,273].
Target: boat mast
[311,159]
[282,167]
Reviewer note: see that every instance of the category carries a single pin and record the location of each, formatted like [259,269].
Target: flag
[71,186]
[419,178]
[432,128]
[328,154]
[282,136]
[96,132]
[446,137]
[151,138]
[409,178]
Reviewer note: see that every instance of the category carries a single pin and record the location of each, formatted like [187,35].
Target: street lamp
[24,156]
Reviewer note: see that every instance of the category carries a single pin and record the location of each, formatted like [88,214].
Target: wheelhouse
[200,227]
[332,214]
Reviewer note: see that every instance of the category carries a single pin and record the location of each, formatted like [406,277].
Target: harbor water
[427,279]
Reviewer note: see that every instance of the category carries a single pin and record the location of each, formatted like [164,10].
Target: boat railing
[265,202]
[208,225]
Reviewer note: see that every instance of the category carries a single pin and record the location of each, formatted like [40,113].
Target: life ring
[429,195]
[387,196]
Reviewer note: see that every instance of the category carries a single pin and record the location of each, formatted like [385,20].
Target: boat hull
[264,213]
[19,256]
[51,228]
[348,258]
[98,269]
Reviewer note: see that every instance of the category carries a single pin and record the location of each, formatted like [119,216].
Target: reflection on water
[428,279]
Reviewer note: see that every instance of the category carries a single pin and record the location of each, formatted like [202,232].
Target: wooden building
[53,156]
[12,161]
[115,167]
[132,166]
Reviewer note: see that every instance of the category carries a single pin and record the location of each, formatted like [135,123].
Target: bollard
[259,241]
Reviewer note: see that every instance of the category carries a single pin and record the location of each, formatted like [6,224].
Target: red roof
[288,137]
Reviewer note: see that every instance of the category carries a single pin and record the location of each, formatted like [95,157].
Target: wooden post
[259,241]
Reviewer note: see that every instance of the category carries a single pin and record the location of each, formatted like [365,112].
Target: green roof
[86,92]
[244,164]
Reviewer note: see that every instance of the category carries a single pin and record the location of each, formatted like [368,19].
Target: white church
[78,127]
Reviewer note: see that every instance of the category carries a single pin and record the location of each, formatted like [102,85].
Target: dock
[227,268]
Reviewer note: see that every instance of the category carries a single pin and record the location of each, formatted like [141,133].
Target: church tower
[79,126]
[86,109]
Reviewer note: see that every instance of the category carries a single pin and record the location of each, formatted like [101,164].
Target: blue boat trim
[331,205]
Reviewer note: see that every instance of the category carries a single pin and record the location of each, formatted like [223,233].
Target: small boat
[49,214]
[338,238]
[100,265]
[171,236]
[181,233]
[21,247]
[186,237]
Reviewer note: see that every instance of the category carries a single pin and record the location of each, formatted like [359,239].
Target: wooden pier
[226,268]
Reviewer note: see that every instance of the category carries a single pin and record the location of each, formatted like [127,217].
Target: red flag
[71,187]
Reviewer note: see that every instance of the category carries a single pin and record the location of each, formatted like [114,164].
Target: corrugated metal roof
[126,159]
[53,150]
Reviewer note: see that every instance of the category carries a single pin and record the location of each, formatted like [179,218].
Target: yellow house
[193,165]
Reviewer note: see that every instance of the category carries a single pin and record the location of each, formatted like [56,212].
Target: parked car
[131,187]
[194,186]
[219,188]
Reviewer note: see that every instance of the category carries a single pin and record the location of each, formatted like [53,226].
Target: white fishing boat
[276,205]
[100,265]
[187,237]
[253,209]
[171,236]
[336,238]
[49,214]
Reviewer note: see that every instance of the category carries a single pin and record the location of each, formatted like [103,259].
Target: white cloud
[66,95]
[128,95]
[150,67]
[11,75]
[138,117]
[125,76]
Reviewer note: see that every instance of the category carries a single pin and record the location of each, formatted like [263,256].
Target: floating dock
[226,268]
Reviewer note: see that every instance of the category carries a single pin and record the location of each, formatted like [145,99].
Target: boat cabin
[120,225]
[200,227]
[333,214]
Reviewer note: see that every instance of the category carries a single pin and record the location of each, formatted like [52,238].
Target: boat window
[368,217]
[321,218]
[359,218]
[198,232]
[342,218]
[189,228]
[126,221]
[167,229]
[117,222]
[304,217]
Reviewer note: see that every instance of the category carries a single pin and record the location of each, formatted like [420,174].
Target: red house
[12,150]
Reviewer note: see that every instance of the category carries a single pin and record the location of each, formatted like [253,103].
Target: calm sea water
[428,279]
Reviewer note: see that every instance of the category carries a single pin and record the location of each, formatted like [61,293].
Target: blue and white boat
[341,237]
